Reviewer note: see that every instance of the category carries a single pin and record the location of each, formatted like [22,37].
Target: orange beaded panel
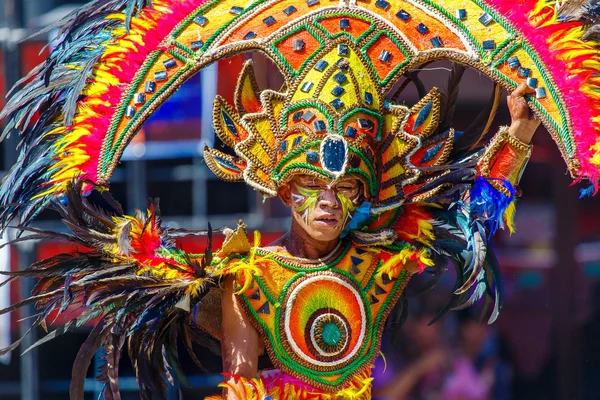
[374,52]
[295,58]
[356,27]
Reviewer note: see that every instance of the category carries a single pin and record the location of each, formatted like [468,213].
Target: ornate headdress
[121,59]
[117,61]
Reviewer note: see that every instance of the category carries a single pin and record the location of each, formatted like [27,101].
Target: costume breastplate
[323,319]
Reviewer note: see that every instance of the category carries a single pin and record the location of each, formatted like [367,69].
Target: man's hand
[523,122]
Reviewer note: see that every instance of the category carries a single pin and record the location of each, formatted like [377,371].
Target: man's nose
[328,197]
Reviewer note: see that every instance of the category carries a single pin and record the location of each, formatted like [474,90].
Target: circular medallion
[324,321]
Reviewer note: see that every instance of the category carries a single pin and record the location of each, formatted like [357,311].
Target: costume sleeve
[504,161]
[492,196]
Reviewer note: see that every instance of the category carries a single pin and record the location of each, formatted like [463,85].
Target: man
[320,211]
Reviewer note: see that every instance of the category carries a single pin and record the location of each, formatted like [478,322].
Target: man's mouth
[329,220]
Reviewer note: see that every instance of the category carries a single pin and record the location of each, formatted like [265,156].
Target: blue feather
[490,204]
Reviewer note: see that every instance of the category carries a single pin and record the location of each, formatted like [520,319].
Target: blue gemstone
[513,62]
[340,78]
[319,125]
[297,116]
[201,20]
[489,45]
[311,3]
[532,82]
[321,65]
[297,141]
[130,111]
[230,165]
[290,10]
[337,103]
[369,98]
[298,44]
[249,35]
[431,153]
[344,23]
[386,104]
[197,45]
[384,5]
[308,116]
[139,98]
[333,153]
[540,93]
[422,29]
[422,116]
[269,21]
[337,91]
[365,124]
[306,86]
[235,10]
[524,72]
[356,261]
[486,19]
[283,146]
[350,132]
[160,76]
[461,14]
[150,87]
[385,56]
[229,123]
[342,63]
[403,15]
[170,63]
[437,42]
[331,334]
[312,156]
[342,50]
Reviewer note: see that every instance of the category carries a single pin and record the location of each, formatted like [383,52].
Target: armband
[504,160]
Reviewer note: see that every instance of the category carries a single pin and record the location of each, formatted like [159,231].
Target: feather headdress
[117,61]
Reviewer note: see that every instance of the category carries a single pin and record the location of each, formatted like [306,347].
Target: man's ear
[285,194]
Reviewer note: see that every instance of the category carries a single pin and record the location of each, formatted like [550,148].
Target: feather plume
[132,279]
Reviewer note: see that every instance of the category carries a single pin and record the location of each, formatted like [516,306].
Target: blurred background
[545,345]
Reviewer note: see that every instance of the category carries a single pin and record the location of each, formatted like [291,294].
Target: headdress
[119,60]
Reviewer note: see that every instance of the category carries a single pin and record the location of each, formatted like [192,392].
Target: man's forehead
[323,181]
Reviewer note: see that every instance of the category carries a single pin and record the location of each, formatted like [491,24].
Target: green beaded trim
[303,104]
[397,68]
[561,130]
[464,30]
[294,73]
[296,268]
[373,114]
[344,14]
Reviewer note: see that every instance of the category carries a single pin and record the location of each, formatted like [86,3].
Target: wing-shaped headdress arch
[120,60]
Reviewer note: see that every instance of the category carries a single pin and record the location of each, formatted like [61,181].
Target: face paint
[348,207]
[305,201]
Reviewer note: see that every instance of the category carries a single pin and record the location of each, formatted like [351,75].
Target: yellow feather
[509,217]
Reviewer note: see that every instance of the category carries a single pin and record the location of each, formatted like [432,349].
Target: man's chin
[325,233]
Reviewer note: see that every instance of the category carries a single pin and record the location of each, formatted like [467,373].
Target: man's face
[322,208]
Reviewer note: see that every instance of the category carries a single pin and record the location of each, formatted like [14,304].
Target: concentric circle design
[324,321]
[327,333]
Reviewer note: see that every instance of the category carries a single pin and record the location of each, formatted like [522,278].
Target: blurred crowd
[460,357]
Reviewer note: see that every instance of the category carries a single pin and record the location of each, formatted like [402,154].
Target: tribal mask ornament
[79,110]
